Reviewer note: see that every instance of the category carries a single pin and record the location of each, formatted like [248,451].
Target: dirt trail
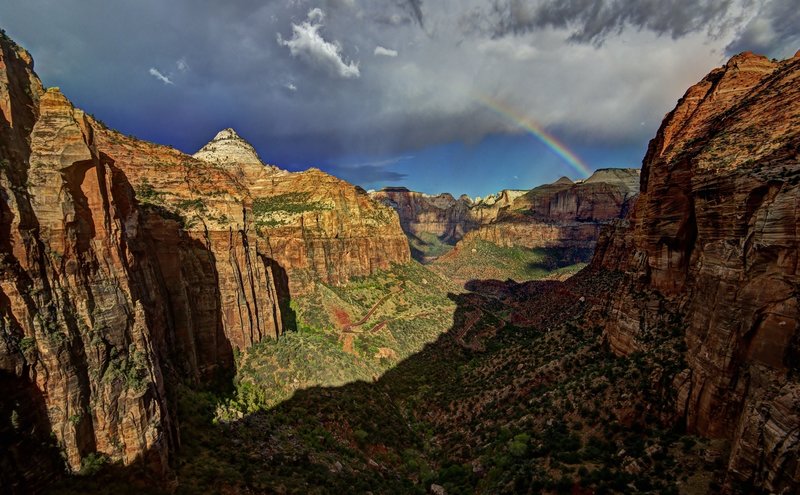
[349,328]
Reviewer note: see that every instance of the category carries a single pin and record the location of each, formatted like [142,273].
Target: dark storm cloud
[594,20]
[415,6]
[301,80]
[775,32]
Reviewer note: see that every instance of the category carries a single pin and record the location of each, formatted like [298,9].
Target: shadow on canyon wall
[29,460]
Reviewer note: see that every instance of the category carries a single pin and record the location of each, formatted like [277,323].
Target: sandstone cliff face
[443,215]
[126,267]
[75,336]
[713,241]
[311,223]
[563,214]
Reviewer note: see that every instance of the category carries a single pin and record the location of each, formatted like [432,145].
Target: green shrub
[518,447]
[92,464]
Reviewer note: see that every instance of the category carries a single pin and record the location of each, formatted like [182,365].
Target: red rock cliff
[563,214]
[713,239]
[442,215]
[314,225]
[107,296]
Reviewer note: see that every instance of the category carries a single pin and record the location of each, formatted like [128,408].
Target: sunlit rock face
[443,215]
[228,148]
[713,239]
[127,267]
[564,214]
[316,226]
[117,278]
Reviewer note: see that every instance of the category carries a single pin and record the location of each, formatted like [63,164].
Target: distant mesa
[565,181]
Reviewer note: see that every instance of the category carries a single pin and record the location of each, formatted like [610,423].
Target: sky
[463,96]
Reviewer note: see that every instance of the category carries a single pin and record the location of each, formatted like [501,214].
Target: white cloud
[290,86]
[161,77]
[513,48]
[182,65]
[316,15]
[308,44]
[385,52]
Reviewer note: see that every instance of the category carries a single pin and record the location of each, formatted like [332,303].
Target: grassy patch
[293,203]
[479,260]
[427,246]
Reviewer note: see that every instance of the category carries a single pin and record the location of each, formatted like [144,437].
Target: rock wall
[563,214]
[443,215]
[314,225]
[76,341]
[714,236]
[326,229]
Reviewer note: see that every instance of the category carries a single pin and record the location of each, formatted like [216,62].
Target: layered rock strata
[711,249]
[316,226]
[443,215]
[564,214]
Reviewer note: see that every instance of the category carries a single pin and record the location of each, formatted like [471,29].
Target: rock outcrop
[127,267]
[603,197]
[107,294]
[711,249]
[563,214]
[228,147]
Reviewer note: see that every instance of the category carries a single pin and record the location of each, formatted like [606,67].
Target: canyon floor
[404,380]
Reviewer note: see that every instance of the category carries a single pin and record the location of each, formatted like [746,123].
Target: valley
[208,323]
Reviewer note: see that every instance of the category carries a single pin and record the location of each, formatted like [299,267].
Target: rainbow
[537,131]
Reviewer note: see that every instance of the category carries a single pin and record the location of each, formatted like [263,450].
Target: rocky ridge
[228,147]
[316,226]
[711,250]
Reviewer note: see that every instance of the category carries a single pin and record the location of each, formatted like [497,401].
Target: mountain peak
[229,133]
[228,148]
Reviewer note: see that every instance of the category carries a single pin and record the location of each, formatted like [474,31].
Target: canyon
[152,302]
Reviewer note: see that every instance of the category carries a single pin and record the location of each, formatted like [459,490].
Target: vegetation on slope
[344,334]
[477,259]
[426,246]
[520,395]
[540,406]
